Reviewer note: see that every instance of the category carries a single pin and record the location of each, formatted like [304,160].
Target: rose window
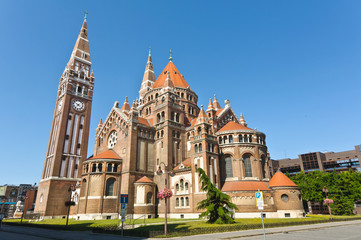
[112,140]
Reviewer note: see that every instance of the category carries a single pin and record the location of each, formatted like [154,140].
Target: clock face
[60,104]
[78,105]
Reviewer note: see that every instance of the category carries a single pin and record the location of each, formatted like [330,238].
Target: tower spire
[85,15]
[80,57]
[242,121]
[148,77]
[216,105]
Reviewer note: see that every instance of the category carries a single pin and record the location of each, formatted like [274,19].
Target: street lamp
[165,193]
[69,203]
[327,201]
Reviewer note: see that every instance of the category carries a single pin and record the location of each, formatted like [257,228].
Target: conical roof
[216,105]
[210,105]
[144,179]
[125,106]
[281,180]
[174,74]
[149,71]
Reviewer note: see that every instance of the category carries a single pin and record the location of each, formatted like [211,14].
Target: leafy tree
[217,204]
[344,188]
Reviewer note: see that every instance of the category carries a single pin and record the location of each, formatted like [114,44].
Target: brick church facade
[162,131]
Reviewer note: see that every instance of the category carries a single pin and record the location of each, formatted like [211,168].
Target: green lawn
[176,227]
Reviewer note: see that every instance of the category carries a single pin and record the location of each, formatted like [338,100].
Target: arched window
[182,202]
[263,163]
[109,168]
[196,147]
[240,137]
[187,201]
[100,167]
[177,202]
[156,95]
[220,140]
[247,165]
[94,167]
[186,186]
[250,138]
[158,118]
[149,197]
[177,187]
[115,169]
[229,170]
[83,188]
[181,184]
[110,187]
[41,198]
[200,147]
[225,139]
[230,139]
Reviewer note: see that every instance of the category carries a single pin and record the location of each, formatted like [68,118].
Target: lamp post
[327,201]
[160,172]
[69,203]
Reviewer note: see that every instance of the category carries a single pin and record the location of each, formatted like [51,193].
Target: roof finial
[150,49]
[170,55]
[85,16]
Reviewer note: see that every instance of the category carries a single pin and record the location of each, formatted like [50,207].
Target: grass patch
[176,227]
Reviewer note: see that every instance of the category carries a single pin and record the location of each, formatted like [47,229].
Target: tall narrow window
[149,197]
[181,185]
[83,188]
[200,147]
[229,170]
[247,165]
[263,163]
[230,139]
[110,187]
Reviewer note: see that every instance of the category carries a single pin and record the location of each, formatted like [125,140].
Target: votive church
[159,139]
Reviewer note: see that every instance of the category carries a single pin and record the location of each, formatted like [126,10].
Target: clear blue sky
[292,67]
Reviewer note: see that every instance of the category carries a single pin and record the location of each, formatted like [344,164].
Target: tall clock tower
[68,141]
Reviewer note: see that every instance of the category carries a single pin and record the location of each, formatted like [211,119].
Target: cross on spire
[170,55]
[85,15]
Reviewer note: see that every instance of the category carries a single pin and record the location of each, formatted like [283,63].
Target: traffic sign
[259,200]
[123,198]
[123,206]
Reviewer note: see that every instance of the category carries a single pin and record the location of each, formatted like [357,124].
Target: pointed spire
[92,75]
[148,77]
[150,50]
[134,107]
[242,121]
[168,82]
[81,50]
[125,107]
[170,55]
[202,114]
[100,122]
[210,105]
[216,105]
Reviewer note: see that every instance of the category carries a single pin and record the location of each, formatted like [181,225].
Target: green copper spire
[170,55]
[85,16]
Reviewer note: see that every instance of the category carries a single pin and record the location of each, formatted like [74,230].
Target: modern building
[158,140]
[322,161]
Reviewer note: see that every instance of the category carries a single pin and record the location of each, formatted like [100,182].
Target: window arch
[247,165]
[177,187]
[229,169]
[177,202]
[109,168]
[182,201]
[181,184]
[110,187]
[196,147]
[187,201]
[230,139]
[200,147]
[186,186]
[149,197]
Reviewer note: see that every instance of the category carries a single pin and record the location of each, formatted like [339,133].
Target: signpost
[260,205]
[123,209]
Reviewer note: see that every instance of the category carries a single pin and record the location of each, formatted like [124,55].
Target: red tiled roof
[125,106]
[143,121]
[144,180]
[281,180]
[174,74]
[245,186]
[186,163]
[233,126]
[109,154]
[219,111]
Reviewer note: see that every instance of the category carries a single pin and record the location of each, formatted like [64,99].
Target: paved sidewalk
[79,235]
[259,232]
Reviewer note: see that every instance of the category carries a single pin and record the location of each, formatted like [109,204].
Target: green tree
[343,188]
[217,204]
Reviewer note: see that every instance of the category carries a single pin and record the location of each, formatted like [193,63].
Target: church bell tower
[68,140]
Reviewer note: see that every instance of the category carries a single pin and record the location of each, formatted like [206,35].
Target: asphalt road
[16,236]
